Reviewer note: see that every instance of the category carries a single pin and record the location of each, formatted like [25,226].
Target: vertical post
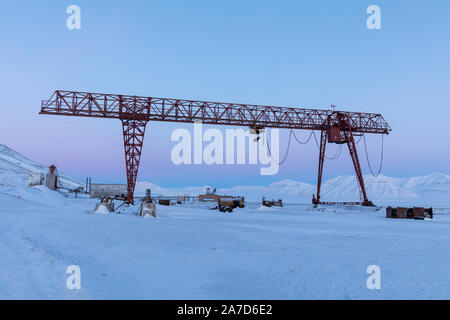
[133,139]
[354,154]
[323,144]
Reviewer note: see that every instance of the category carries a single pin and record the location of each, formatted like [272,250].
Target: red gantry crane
[135,112]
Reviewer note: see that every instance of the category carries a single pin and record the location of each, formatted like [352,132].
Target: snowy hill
[432,189]
[14,174]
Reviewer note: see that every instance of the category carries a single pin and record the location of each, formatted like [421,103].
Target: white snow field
[190,252]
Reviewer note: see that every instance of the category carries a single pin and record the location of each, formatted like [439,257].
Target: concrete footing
[104,207]
[148,208]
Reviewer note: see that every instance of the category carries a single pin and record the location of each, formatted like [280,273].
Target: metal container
[402,213]
[51,181]
[164,202]
[418,212]
[36,179]
[409,213]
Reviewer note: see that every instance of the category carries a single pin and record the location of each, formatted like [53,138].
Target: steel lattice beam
[71,103]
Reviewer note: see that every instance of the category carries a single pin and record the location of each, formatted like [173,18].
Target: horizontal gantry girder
[125,107]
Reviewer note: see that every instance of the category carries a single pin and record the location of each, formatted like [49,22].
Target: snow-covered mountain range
[432,189]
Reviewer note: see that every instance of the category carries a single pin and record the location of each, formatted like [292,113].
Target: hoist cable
[359,140]
[309,138]
[287,150]
[381,157]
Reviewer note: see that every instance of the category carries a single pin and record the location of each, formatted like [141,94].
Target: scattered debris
[228,204]
[164,202]
[76,191]
[272,203]
[225,209]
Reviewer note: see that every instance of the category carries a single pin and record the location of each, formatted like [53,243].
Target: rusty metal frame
[72,103]
[133,140]
[343,122]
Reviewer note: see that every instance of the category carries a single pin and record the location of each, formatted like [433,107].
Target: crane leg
[359,177]
[323,144]
[133,139]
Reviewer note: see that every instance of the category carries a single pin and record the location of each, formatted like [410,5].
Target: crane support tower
[136,111]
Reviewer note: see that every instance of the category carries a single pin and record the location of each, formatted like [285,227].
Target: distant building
[212,196]
[98,190]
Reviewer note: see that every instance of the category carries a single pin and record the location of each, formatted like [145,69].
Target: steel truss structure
[136,111]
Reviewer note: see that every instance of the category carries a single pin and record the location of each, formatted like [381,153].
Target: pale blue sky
[287,53]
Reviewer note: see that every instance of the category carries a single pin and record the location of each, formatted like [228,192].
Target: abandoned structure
[36,179]
[164,202]
[272,203]
[339,127]
[417,213]
[211,196]
[117,191]
[229,203]
[51,178]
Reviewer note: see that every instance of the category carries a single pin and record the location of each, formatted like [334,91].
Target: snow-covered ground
[190,252]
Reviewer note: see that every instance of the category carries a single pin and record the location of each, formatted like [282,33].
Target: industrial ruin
[107,193]
[116,191]
[417,213]
[339,127]
[273,203]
